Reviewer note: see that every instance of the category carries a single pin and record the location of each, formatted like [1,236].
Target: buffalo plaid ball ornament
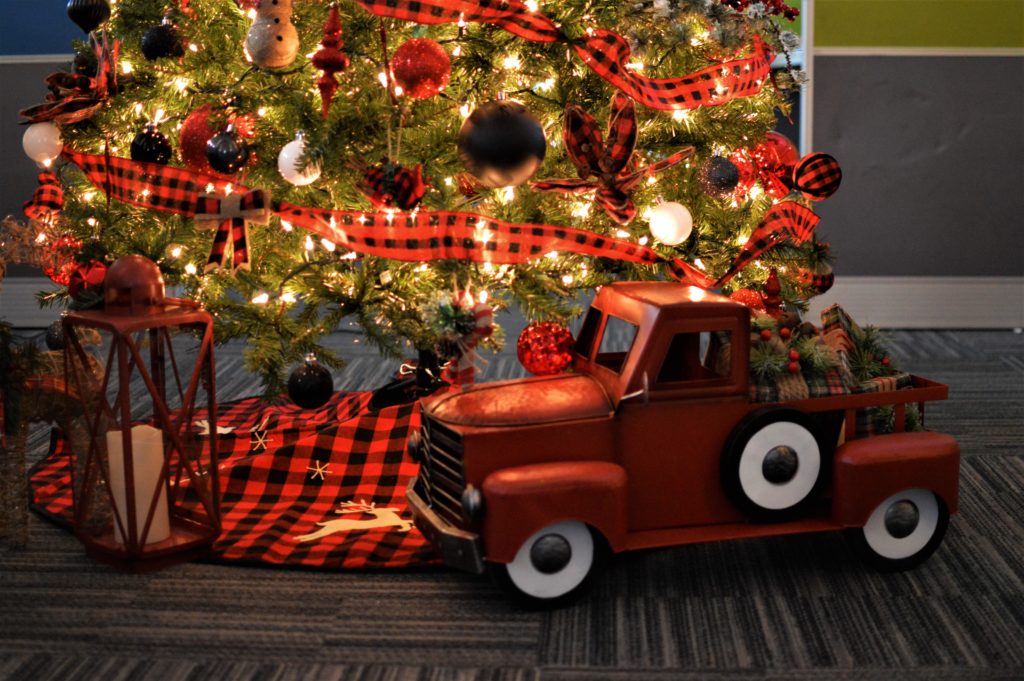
[817,176]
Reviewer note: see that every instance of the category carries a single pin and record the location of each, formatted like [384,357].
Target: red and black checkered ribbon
[418,236]
[785,219]
[47,200]
[283,471]
[230,215]
[817,176]
[447,235]
[605,52]
[608,161]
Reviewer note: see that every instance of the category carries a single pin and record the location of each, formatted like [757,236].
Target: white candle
[147,463]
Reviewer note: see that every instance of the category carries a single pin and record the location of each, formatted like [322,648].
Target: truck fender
[870,470]
[521,500]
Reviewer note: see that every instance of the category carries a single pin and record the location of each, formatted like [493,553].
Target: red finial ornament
[330,59]
[772,299]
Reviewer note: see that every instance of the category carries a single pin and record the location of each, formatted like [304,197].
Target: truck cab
[652,440]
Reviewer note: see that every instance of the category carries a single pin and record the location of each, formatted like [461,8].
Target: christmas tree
[398,164]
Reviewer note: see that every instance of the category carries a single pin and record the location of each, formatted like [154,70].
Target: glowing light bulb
[567,279]
[126,67]
[511,62]
[190,269]
[328,245]
[261,299]
[532,5]
[176,252]
[286,226]
[288,297]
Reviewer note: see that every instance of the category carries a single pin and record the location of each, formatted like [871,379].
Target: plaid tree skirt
[283,470]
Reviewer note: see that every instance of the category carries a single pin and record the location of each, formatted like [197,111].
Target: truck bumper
[457,548]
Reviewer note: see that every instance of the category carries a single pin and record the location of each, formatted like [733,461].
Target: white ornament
[671,223]
[288,163]
[42,143]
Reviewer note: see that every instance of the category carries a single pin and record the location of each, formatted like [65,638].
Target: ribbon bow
[610,161]
[230,216]
[390,185]
[47,200]
[784,219]
[75,97]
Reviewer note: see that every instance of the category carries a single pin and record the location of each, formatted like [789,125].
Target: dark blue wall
[36,27]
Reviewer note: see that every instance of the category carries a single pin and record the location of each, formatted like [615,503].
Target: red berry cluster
[772,7]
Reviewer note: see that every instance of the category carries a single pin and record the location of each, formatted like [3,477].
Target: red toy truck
[646,444]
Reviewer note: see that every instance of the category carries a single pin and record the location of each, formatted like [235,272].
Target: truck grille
[441,470]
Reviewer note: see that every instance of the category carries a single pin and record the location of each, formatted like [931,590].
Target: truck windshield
[585,340]
[616,342]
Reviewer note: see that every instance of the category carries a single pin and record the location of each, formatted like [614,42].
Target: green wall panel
[919,23]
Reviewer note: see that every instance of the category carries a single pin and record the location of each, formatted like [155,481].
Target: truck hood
[531,401]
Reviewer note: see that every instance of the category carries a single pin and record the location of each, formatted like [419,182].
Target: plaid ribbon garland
[418,236]
[284,471]
[230,215]
[785,219]
[447,235]
[817,176]
[606,53]
[47,200]
[608,160]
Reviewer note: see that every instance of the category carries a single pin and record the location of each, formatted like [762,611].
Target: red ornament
[545,348]
[775,159]
[793,367]
[421,67]
[748,173]
[330,59]
[766,334]
[61,261]
[785,333]
[886,361]
[87,277]
[748,297]
[794,355]
[245,124]
[195,132]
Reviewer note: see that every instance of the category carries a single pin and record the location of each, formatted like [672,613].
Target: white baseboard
[929,302]
[890,302]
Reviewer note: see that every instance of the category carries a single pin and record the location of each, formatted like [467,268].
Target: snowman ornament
[273,42]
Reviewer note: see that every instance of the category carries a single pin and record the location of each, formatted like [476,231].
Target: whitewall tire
[772,464]
[552,565]
[903,530]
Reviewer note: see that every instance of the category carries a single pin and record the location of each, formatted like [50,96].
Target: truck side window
[695,357]
[616,342]
[585,339]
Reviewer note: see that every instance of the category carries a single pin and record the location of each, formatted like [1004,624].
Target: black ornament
[501,144]
[310,385]
[162,41]
[88,14]
[226,152]
[85,64]
[151,146]
[55,336]
[718,176]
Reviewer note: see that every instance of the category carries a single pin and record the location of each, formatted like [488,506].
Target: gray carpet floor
[795,607]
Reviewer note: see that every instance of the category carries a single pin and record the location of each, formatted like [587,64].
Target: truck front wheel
[772,463]
[902,531]
[554,565]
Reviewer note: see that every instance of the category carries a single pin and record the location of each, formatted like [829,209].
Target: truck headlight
[415,446]
[472,504]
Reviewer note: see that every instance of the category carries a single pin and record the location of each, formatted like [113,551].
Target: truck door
[672,434]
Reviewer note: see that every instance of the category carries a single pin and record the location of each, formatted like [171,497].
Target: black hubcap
[901,518]
[780,464]
[550,553]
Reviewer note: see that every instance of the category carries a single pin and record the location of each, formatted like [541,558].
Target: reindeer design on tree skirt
[382,517]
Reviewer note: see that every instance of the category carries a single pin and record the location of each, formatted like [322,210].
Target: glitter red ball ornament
[61,261]
[421,67]
[775,159]
[750,298]
[195,132]
[545,348]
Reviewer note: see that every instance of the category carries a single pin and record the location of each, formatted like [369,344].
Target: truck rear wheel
[772,464]
[902,531]
[554,565]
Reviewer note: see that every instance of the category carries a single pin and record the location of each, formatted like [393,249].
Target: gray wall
[932,151]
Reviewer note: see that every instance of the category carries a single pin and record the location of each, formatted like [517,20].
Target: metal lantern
[143,446]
